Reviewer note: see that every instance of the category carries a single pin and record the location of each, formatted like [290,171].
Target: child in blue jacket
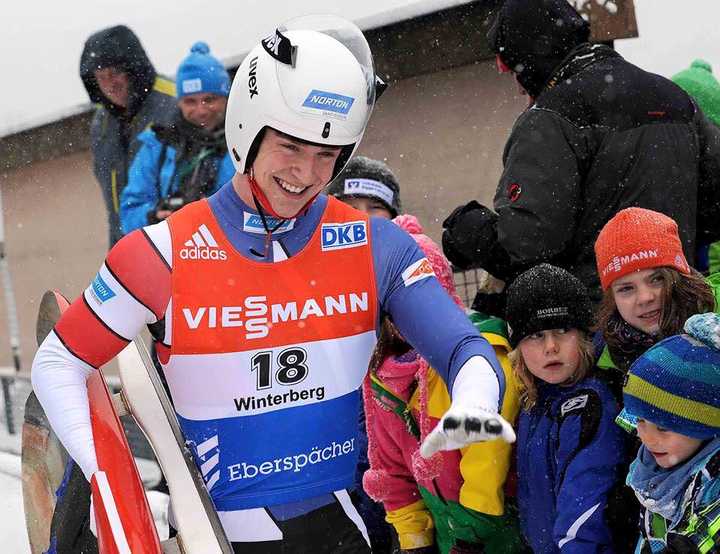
[673,392]
[569,450]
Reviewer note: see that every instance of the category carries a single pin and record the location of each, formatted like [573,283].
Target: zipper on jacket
[114,191]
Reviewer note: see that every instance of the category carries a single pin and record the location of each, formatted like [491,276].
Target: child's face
[668,448]
[639,298]
[552,355]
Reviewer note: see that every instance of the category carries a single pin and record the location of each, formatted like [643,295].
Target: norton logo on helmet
[252,77]
[328,102]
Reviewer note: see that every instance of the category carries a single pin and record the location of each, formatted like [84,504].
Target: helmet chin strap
[263,206]
[261,201]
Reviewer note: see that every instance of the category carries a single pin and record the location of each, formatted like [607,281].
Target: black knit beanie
[365,177]
[546,297]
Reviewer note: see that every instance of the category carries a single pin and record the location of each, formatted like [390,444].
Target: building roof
[378,16]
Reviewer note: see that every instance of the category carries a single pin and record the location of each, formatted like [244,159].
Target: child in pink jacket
[454,501]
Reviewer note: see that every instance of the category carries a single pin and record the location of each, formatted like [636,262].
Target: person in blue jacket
[188,159]
[569,450]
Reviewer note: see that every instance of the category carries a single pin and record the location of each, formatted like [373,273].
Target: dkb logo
[343,235]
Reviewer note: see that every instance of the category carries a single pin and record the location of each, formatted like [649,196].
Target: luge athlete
[263,302]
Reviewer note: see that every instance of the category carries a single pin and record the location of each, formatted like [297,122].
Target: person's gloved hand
[490,304]
[461,426]
[469,234]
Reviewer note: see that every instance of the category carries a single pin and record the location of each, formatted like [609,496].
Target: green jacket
[700,83]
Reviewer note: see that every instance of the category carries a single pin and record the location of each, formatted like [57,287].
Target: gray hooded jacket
[114,131]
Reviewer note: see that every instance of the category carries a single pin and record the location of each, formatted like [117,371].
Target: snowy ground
[12,519]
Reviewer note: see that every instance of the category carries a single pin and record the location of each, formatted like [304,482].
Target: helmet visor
[346,33]
[326,75]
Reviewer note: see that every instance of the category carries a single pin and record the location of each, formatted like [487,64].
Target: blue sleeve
[422,311]
[589,458]
[141,193]
[226,171]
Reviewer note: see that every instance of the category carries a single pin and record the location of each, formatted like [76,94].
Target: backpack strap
[393,403]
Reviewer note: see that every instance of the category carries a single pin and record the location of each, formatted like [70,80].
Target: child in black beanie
[569,450]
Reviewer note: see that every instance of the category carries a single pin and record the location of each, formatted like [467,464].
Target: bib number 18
[290,368]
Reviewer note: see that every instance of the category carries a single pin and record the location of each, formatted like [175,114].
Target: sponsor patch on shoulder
[417,272]
[577,403]
[101,289]
[335,236]
[252,223]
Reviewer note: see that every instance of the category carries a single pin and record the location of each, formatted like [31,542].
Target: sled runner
[123,518]
[44,460]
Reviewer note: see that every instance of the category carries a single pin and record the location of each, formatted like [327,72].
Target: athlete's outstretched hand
[461,426]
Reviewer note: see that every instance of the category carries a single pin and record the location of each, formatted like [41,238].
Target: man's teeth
[288,187]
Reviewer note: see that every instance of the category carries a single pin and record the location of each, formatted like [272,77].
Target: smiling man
[266,291]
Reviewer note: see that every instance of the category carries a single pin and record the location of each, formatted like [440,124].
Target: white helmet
[312,79]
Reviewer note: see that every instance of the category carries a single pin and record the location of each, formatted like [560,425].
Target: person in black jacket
[600,135]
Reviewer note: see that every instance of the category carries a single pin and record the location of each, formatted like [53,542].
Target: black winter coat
[604,135]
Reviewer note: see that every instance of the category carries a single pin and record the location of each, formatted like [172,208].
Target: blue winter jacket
[569,456]
[150,177]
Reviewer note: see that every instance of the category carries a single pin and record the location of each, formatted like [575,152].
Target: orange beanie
[637,239]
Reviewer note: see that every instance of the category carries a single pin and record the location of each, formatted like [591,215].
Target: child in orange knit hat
[649,290]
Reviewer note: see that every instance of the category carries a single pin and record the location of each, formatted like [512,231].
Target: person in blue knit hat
[673,391]
[188,159]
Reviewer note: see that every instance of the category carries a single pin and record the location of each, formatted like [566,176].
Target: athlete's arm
[423,311]
[132,289]
[429,320]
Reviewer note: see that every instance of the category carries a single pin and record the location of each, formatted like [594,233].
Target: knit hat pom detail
[705,328]
[701,64]
[409,223]
[202,73]
[200,47]
[372,483]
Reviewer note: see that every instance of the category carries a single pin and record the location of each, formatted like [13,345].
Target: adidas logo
[202,246]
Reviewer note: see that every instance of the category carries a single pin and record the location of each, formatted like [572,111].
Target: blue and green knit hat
[676,383]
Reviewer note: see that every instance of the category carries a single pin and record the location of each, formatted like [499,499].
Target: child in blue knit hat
[673,390]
